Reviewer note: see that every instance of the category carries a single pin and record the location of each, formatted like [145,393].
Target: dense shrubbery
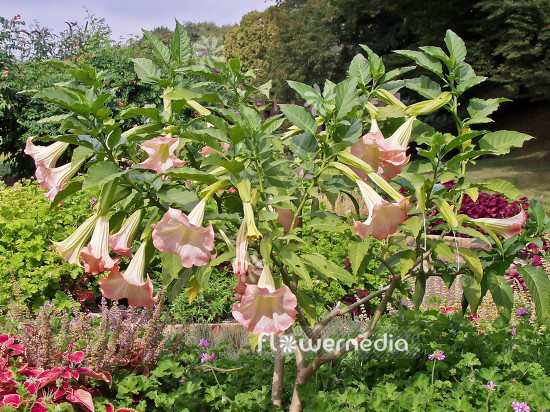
[516,359]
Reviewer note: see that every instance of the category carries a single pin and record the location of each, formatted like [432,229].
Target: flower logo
[288,344]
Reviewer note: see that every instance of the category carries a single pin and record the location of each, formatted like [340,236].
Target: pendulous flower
[207,150]
[55,179]
[161,154]
[45,155]
[130,285]
[240,264]
[384,217]
[95,256]
[385,156]
[506,227]
[184,236]
[70,248]
[121,242]
[264,309]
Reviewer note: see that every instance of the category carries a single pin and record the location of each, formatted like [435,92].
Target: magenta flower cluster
[438,354]
[520,407]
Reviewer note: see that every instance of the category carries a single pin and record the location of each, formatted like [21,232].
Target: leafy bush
[27,228]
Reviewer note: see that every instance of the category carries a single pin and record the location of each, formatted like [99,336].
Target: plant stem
[433,370]
[278,375]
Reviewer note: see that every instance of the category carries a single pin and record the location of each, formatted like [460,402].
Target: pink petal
[175,234]
[261,311]
[116,287]
[161,154]
[384,219]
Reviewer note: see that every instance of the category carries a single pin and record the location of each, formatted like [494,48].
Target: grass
[528,167]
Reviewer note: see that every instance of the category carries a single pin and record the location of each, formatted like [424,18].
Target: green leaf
[308,306]
[473,262]
[441,248]
[187,199]
[180,46]
[71,188]
[406,261]
[188,173]
[305,146]
[309,94]
[64,98]
[447,212]
[151,112]
[346,97]
[456,46]
[146,70]
[472,291]
[503,187]
[480,109]
[538,283]
[359,68]
[359,255]
[501,142]
[160,50]
[376,64]
[436,52]
[101,173]
[502,293]
[300,117]
[327,269]
[423,60]
[296,264]
[419,289]
[424,86]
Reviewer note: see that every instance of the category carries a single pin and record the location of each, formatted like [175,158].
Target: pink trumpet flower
[264,309]
[45,155]
[95,256]
[121,242]
[207,150]
[184,236]
[384,217]
[161,154]
[130,285]
[55,179]
[385,156]
[70,248]
[240,264]
[506,227]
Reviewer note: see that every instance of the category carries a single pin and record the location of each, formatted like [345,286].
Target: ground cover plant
[208,154]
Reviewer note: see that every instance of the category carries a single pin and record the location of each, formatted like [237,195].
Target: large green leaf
[480,109]
[64,98]
[538,283]
[309,94]
[188,173]
[327,269]
[146,70]
[501,186]
[424,60]
[160,50]
[300,117]
[297,265]
[502,293]
[376,65]
[502,141]
[472,291]
[473,262]
[424,86]
[101,173]
[346,97]
[180,46]
[456,46]
[359,255]
[359,68]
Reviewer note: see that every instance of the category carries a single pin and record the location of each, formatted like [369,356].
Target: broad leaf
[538,283]
[501,142]
[301,117]
[472,291]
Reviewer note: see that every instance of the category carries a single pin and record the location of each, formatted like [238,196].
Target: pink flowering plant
[210,179]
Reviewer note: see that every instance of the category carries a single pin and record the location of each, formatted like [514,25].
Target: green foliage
[27,228]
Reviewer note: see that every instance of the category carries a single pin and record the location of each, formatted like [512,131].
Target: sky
[129,17]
